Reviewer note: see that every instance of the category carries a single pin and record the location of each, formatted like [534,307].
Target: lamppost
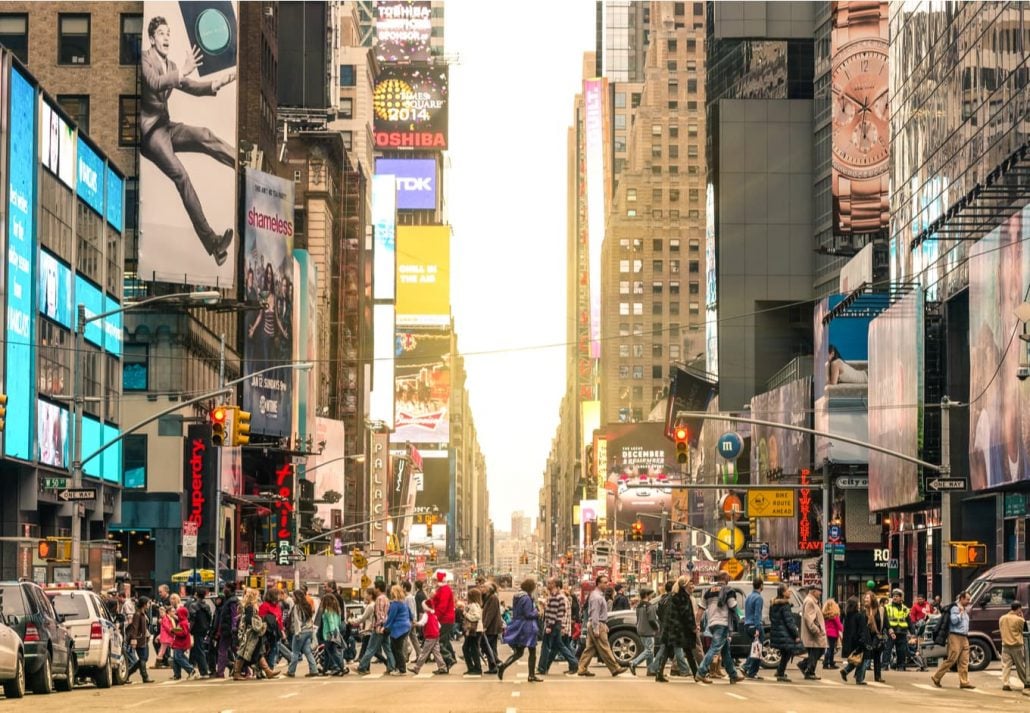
[207,296]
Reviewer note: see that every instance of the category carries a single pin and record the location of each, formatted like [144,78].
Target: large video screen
[403,30]
[410,105]
[638,454]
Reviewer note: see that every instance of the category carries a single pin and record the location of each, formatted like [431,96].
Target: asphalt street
[910,691]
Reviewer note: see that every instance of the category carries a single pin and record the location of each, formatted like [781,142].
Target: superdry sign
[410,105]
[198,485]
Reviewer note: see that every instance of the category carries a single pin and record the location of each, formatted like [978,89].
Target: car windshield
[977,588]
[13,603]
[71,606]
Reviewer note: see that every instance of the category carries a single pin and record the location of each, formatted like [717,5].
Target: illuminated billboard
[594,92]
[423,275]
[416,181]
[90,180]
[422,386]
[999,408]
[20,329]
[331,472]
[896,402]
[56,143]
[268,270]
[381,400]
[55,289]
[403,31]
[52,434]
[187,123]
[384,226]
[410,105]
[637,455]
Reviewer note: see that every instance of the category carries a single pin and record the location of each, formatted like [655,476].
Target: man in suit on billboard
[162,138]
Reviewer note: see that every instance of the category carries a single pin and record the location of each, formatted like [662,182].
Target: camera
[1022,373]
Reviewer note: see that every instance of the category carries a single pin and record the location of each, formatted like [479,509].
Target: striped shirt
[554,613]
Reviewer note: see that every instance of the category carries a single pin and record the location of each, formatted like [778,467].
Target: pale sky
[517,69]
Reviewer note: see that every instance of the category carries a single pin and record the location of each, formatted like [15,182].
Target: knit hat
[441,576]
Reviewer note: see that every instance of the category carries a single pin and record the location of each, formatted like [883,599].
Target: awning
[194,576]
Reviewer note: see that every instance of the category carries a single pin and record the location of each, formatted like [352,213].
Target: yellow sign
[770,503]
[725,536]
[365,581]
[423,275]
[732,567]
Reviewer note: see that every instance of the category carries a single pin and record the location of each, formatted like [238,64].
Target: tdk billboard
[416,181]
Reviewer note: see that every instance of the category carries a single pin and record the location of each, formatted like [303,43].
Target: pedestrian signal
[968,554]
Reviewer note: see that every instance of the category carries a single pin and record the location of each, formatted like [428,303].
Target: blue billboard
[416,181]
[108,465]
[112,328]
[55,289]
[93,299]
[21,254]
[115,191]
[90,183]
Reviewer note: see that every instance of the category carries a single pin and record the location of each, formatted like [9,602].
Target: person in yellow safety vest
[897,625]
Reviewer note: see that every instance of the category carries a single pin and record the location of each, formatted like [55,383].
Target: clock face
[861,123]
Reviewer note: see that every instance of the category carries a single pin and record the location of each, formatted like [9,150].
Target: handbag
[855,659]
[756,649]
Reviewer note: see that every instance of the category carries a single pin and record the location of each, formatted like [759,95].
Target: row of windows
[674,213]
[657,329]
[637,266]
[657,350]
[638,371]
[657,244]
[657,287]
[636,309]
[74,35]
[694,194]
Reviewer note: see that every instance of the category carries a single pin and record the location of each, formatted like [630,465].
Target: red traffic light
[218,415]
[976,554]
[681,434]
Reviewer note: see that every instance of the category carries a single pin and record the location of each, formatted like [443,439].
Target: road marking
[140,703]
[165,683]
[515,694]
[734,695]
[875,684]
[926,686]
[289,695]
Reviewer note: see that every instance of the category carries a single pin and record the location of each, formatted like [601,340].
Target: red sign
[809,535]
[284,505]
[198,447]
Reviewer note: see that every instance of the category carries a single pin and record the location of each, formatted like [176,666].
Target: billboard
[199,485]
[331,471]
[403,31]
[410,105]
[433,501]
[187,123]
[55,289]
[384,226]
[20,325]
[424,275]
[115,206]
[638,454]
[90,180]
[896,401]
[56,143]
[306,319]
[381,400]
[999,404]
[268,332]
[422,386]
[594,92]
[416,181]
[52,434]
[378,491]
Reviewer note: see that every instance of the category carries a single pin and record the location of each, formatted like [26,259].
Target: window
[656,129]
[631,194]
[656,150]
[623,265]
[657,287]
[624,287]
[691,46]
[674,195]
[638,392]
[624,309]
[134,461]
[346,109]
[348,77]
[691,129]
[656,371]
[674,287]
[624,244]
[623,329]
[674,266]
[128,120]
[620,145]
[656,309]
[631,213]
[638,329]
[699,9]
[638,266]
[691,150]
[620,121]
[638,309]
[638,287]
[674,152]
[695,245]
[695,195]
[656,213]
[674,308]
[674,170]
[73,42]
[671,46]
[695,267]
[638,351]
[679,8]
[638,372]
[674,132]
[657,266]
[132,34]
[674,214]
[671,65]
[656,351]
[624,351]
[692,86]
[691,106]
[695,309]
[131,203]
[14,34]
[695,288]
[77,106]
[656,195]
[623,371]
[673,88]
[634,100]
[134,368]
[656,244]
[674,245]
[674,351]
[656,330]
[656,170]
[620,100]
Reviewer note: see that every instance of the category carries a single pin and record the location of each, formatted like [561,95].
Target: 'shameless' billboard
[187,125]
[423,275]
[416,181]
[422,377]
[268,275]
[403,31]
[410,105]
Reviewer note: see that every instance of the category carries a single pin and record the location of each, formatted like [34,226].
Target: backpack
[200,617]
[940,634]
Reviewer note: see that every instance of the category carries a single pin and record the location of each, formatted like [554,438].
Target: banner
[328,470]
[199,486]
[410,105]
[422,393]
[378,491]
[594,93]
[384,239]
[187,124]
[403,31]
[268,332]
[424,275]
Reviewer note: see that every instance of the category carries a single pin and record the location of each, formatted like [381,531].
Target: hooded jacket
[783,630]
[679,628]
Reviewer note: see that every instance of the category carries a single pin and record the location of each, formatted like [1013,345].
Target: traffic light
[219,427]
[47,550]
[305,505]
[241,430]
[681,436]
[968,554]
[637,530]
[3,410]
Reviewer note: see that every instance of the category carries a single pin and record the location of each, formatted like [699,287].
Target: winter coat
[442,602]
[250,633]
[856,633]
[878,633]
[679,628]
[524,627]
[137,629]
[165,635]
[181,634]
[783,631]
[492,623]
[647,619]
[813,626]
[473,617]
[834,627]
[398,620]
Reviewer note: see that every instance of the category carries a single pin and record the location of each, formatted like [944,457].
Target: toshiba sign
[410,106]
[416,181]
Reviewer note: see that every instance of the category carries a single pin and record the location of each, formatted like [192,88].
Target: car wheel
[625,645]
[118,672]
[15,688]
[103,675]
[43,681]
[770,656]
[980,654]
[68,682]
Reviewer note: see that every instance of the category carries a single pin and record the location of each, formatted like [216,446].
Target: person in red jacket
[442,603]
[182,642]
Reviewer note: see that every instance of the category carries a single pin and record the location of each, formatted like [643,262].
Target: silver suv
[98,640]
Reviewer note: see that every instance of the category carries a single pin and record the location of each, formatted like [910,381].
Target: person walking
[412,645]
[597,632]
[430,643]
[813,632]
[492,624]
[958,643]
[620,602]
[250,635]
[302,632]
[834,628]
[1011,626]
[473,624]
[721,613]
[269,611]
[857,644]
[557,620]
[783,631]
[523,630]
[442,603]
[182,642]
[165,635]
[329,620]
[365,622]
[379,640]
[897,630]
[753,606]
[200,627]
[678,631]
[647,630]
[397,625]
[137,639]
[878,633]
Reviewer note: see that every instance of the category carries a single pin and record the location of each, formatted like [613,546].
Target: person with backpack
[721,610]
[200,627]
[226,621]
[954,630]
[857,644]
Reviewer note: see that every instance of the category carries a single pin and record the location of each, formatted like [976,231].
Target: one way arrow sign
[939,484]
[78,494]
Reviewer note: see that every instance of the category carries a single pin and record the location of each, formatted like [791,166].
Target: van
[991,595]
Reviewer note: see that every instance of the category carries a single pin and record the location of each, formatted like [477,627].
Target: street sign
[264,556]
[852,482]
[941,484]
[729,445]
[763,551]
[834,533]
[55,483]
[71,494]
[732,567]
[755,545]
[297,558]
[770,503]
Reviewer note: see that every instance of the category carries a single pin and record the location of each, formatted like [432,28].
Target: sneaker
[736,679]
[585,673]
[290,675]
[812,677]
[935,682]
[413,670]
[311,675]
[398,673]
[571,672]
[755,677]
[441,672]
[843,675]
[968,686]
[363,672]
[861,683]
[633,669]
[702,679]
[619,672]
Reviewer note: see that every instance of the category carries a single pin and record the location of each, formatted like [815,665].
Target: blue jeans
[682,664]
[376,643]
[752,664]
[333,662]
[180,663]
[720,644]
[301,646]
[859,670]
[555,646]
[646,654]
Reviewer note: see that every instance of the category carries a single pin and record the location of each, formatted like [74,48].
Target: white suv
[98,640]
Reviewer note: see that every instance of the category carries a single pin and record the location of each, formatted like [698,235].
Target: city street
[426,693]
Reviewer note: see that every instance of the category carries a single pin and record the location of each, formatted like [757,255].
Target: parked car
[98,640]
[50,660]
[12,662]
